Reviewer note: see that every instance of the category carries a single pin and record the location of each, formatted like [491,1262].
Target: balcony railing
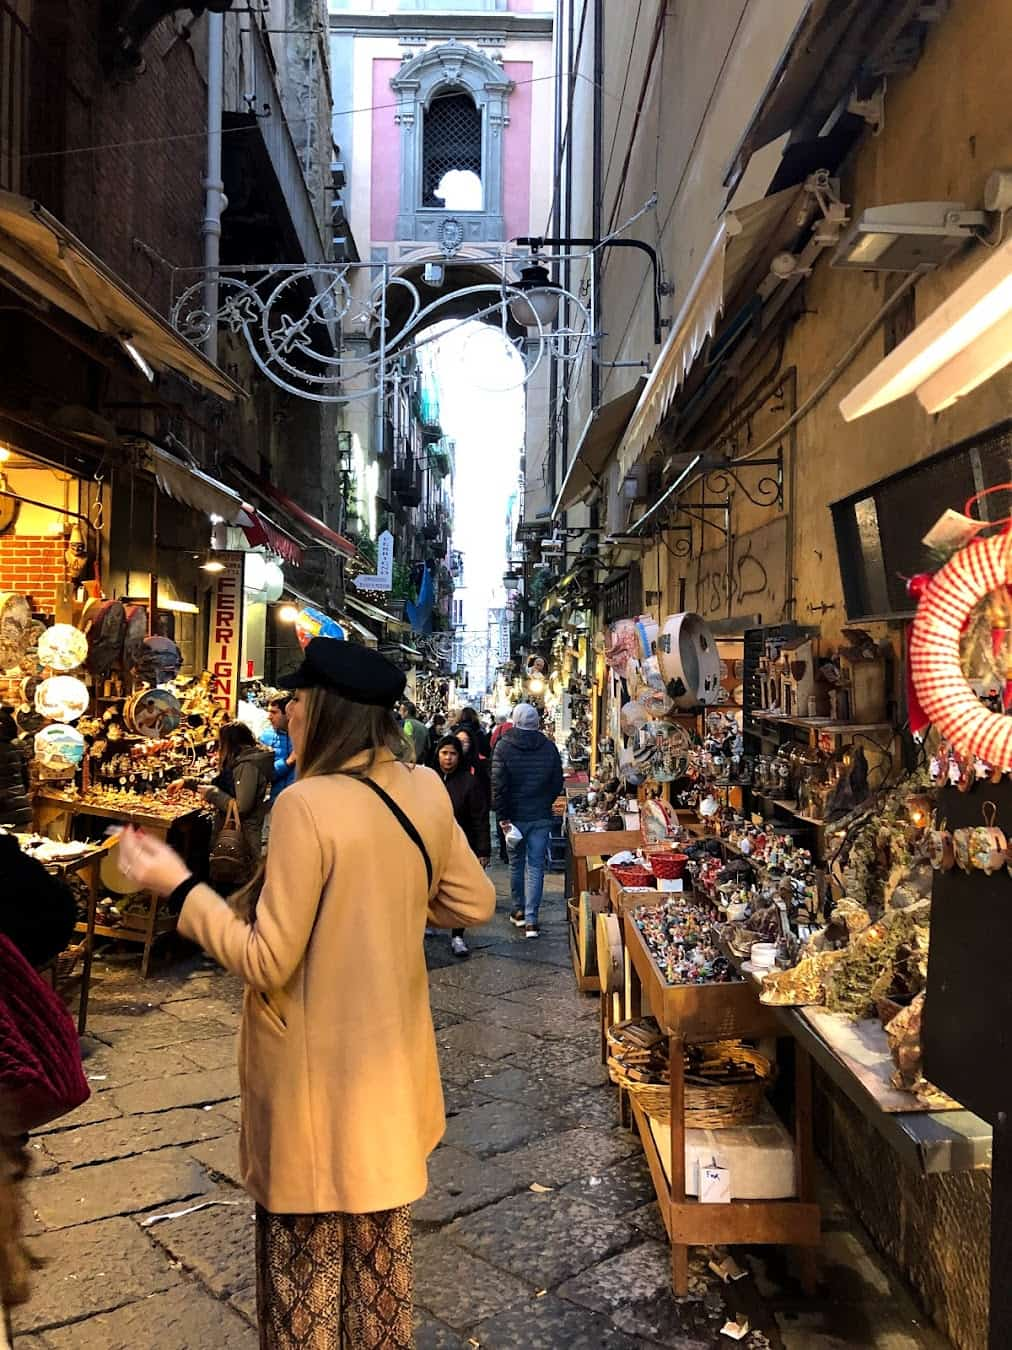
[42,116]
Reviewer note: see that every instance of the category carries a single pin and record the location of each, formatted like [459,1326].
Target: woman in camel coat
[341,1095]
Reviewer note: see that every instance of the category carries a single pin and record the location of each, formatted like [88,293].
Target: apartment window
[451,174]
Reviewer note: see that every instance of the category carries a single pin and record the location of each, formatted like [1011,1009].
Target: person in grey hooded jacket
[526,780]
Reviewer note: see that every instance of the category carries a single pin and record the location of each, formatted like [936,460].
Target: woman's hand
[205,791]
[151,863]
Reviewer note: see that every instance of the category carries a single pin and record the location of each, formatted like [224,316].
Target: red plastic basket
[668,866]
[633,874]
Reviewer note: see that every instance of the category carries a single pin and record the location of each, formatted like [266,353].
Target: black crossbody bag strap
[404,823]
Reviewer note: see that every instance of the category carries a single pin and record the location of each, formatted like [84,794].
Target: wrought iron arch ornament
[324,331]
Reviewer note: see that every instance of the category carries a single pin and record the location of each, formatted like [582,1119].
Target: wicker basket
[709,1104]
[632,874]
[67,960]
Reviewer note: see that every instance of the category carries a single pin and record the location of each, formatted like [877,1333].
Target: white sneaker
[459,947]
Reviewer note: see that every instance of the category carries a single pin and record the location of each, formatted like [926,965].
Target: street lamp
[538,306]
[511,581]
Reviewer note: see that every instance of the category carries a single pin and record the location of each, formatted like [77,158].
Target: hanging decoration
[943,691]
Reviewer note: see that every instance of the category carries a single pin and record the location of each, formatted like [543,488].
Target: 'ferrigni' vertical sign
[224,646]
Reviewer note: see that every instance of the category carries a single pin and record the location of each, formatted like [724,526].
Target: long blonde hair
[336,731]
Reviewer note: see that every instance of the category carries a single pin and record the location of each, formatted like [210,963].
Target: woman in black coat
[470,810]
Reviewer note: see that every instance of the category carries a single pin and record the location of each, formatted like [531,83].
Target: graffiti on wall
[755,582]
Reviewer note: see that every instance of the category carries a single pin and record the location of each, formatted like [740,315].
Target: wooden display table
[693,1013]
[59,812]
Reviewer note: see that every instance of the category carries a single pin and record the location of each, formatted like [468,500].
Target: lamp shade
[255,572]
[539,303]
[274,582]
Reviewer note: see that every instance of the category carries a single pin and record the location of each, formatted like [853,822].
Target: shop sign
[383,579]
[224,648]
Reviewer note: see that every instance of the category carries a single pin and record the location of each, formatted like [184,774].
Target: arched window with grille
[453,111]
[451,152]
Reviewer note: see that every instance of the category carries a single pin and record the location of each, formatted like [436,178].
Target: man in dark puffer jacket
[526,779]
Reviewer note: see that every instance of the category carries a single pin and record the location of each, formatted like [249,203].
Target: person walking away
[526,780]
[244,778]
[470,810]
[15,803]
[470,720]
[279,742]
[337,1119]
[503,726]
[415,730]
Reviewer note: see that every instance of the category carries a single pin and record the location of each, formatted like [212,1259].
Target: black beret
[357,673]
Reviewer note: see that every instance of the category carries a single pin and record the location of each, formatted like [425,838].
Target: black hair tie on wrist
[182,891]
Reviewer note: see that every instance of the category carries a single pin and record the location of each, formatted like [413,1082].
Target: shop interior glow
[212,565]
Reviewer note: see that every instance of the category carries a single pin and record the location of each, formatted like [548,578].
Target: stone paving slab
[220,1156]
[496,1127]
[200,1009]
[447,998]
[458,1097]
[90,1270]
[486,975]
[156,1030]
[565,1157]
[490,1042]
[433,1335]
[97,1107]
[185,1318]
[220,1052]
[648,1220]
[543,1239]
[457,1287]
[215,1244]
[107,1068]
[123,1187]
[182,1089]
[621,1189]
[467,1070]
[134,1134]
[640,1273]
[548,1323]
[460,1182]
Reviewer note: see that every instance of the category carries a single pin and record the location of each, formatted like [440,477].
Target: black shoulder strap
[404,823]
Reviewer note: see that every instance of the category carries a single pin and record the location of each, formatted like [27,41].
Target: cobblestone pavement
[539,1228]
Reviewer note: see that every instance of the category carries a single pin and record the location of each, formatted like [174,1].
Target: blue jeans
[529,856]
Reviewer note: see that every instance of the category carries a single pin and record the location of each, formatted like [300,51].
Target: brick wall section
[33,565]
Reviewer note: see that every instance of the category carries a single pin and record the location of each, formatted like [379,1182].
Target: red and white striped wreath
[947,699]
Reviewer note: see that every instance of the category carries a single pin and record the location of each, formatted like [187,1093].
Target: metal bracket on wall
[769,491]
[724,506]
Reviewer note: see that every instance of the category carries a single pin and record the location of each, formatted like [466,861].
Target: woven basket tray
[710,1104]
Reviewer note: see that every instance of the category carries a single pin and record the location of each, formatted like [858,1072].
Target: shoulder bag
[41,1077]
[229,863]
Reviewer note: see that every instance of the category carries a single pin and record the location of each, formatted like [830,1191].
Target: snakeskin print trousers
[335,1281]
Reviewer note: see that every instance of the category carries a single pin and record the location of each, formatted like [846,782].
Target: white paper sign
[714,1184]
[383,579]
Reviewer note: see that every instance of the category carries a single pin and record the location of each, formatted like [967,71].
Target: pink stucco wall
[517,151]
[386,151]
[520,6]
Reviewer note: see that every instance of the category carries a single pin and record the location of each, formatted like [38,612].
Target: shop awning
[600,436]
[185,483]
[741,236]
[298,597]
[368,638]
[43,256]
[377,615]
[262,532]
[313,526]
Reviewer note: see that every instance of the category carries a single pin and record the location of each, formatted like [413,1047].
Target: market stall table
[710,1012]
[89,862]
[52,810]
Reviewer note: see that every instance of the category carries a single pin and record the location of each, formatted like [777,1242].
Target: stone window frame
[451,65]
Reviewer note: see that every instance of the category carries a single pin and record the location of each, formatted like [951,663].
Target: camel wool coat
[341,1096]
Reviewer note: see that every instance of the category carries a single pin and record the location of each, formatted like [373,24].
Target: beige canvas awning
[44,257]
[743,234]
[186,483]
[601,434]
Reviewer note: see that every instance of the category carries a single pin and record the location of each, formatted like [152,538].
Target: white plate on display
[750,969]
[59,744]
[62,698]
[63,647]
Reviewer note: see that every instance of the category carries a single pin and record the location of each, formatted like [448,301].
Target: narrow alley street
[539,1228]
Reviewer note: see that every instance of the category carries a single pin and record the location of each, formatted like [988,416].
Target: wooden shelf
[822,724]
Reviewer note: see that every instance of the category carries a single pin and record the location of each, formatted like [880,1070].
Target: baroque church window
[451,170]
